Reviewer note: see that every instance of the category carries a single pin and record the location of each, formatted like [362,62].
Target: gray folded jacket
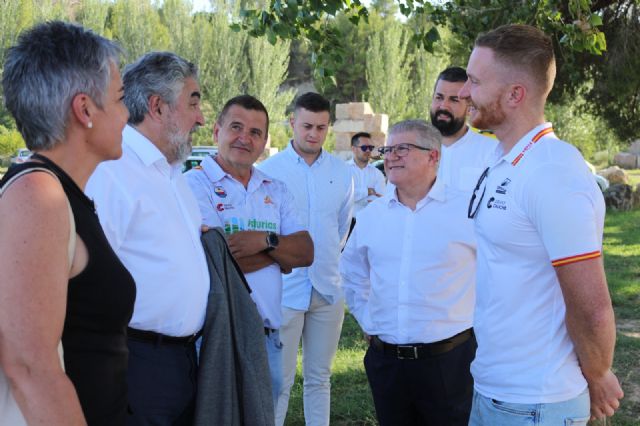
[234,383]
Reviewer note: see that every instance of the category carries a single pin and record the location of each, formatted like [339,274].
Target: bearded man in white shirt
[152,221]
[544,320]
[410,286]
[312,300]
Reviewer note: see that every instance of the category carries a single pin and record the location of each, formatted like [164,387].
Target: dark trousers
[162,384]
[434,391]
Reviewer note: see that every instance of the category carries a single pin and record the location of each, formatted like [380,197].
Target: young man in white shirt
[411,287]
[312,300]
[465,152]
[368,182]
[152,221]
[544,319]
[257,213]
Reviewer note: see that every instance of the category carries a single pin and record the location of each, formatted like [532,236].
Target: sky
[201,5]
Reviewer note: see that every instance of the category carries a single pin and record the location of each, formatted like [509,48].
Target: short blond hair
[525,48]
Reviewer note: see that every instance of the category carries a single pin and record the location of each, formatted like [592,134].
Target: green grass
[351,402]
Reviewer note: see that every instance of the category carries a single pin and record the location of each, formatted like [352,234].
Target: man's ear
[292,118]
[155,107]
[216,130]
[517,94]
[82,108]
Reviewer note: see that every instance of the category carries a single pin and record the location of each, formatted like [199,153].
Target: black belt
[268,331]
[421,350]
[159,339]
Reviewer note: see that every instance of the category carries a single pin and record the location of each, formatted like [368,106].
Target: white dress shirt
[542,208]
[363,179]
[462,163]
[323,194]
[152,221]
[413,281]
[264,205]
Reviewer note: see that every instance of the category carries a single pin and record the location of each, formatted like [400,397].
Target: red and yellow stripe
[576,258]
[535,139]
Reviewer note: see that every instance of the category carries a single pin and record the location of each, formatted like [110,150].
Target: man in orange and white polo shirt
[544,320]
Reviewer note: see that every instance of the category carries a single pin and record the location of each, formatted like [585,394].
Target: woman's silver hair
[428,135]
[50,64]
[156,73]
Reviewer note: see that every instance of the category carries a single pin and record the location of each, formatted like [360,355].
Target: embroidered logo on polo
[268,200]
[220,192]
[222,207]
[236,224]
[501,188]
[496,204]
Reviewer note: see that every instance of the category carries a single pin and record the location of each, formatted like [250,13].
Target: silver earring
[90,125]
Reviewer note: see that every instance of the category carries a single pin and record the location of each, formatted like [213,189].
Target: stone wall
[357,117]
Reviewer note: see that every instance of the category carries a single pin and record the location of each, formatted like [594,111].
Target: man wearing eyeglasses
[544,319]
[368,181]
[410,286]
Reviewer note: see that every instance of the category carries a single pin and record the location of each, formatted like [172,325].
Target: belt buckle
[407,352]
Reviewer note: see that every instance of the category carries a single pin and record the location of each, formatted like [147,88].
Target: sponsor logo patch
[220,192]
[222,207]
[501,188]
[496,204]
[268,200]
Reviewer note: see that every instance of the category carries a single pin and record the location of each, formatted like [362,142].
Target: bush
[10,141]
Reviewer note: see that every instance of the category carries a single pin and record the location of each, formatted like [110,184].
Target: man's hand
[605,393]
[247,243]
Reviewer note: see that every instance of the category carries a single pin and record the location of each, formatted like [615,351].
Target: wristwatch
[272,241]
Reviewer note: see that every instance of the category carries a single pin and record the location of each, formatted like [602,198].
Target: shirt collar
[296,157]
[523,143]
[438,192]
[215,173]
[144,149]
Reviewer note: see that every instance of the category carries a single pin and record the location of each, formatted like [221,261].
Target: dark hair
[50,64]
[525,48]
[155,73]
[246,102]
[453,75]
[355,138]
[313,102]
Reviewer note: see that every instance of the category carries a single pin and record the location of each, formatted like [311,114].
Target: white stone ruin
[357,117]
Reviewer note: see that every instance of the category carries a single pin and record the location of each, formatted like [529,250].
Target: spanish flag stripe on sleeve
[576,258]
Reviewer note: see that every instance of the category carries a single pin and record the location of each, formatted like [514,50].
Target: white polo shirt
[323,194]
[363,179]
[152,221]
[542,208]
[413,281]
[265,205]
[462,163]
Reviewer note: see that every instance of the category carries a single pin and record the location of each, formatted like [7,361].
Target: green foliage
[10,141]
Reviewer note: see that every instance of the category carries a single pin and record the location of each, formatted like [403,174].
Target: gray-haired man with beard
[465,151]
[152,221]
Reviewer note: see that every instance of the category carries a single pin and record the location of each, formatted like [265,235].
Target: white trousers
[319,328]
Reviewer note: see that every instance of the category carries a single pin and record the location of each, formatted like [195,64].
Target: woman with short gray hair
[62,282]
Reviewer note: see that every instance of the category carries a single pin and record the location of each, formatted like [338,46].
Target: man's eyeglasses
[473,206]
[365,148]
[401,150]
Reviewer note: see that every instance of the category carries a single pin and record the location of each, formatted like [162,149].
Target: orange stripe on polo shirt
[576,258]
[535,139]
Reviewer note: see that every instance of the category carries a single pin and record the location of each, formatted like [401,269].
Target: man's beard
[179,143]
[487,117]
[447,128]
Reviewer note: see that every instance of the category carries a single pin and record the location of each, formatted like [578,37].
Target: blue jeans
[274,354]
[489,412]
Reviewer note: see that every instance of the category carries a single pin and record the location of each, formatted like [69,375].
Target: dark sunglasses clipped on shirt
[473,205]
[365,148]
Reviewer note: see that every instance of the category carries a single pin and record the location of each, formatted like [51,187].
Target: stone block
[614,175]
[376,123]
[342,111]
[626,160]
[619,197]
[357,110]
[343,141]
[348,126]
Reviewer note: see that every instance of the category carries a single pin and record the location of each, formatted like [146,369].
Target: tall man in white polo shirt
[544,320]
[153,223]
[411,287]
[368,182]
[312,301]
[465,152]
[257,213]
